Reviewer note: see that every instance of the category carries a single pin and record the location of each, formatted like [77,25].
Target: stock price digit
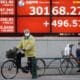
[64,23]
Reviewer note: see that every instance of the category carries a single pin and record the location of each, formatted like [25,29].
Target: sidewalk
[24,76]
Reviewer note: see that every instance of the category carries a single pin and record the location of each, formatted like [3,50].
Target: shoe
[78,70]
[25,70]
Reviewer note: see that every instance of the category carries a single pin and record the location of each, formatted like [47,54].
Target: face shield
[27,33]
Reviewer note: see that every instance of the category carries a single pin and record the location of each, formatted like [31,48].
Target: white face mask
[27,35]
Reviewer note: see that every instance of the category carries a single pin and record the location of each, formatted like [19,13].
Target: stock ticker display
[40,16]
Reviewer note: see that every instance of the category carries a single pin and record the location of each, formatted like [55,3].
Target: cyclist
[27,43]
[68,50]
[78,55]
[68,53]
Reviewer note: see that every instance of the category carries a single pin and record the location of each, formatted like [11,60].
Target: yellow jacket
[28,45]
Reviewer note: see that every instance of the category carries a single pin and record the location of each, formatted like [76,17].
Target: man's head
[27,33]
[71,45]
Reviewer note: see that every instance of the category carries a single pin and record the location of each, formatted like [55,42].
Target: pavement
[24,76]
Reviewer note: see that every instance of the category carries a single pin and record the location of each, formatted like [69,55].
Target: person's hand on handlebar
[24,50]
[20,50]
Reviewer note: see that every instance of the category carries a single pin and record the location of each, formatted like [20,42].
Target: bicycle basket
[11,53]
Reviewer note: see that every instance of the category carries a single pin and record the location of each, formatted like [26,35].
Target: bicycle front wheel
[40,67]
[66,66]
[9,69]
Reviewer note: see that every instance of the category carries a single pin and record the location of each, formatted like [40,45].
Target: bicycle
[51,63]
[68,63]
[9,67]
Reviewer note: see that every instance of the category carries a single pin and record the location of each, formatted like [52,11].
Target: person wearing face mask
[27,43]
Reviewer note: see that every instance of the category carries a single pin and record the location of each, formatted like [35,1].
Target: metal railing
[63,66]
